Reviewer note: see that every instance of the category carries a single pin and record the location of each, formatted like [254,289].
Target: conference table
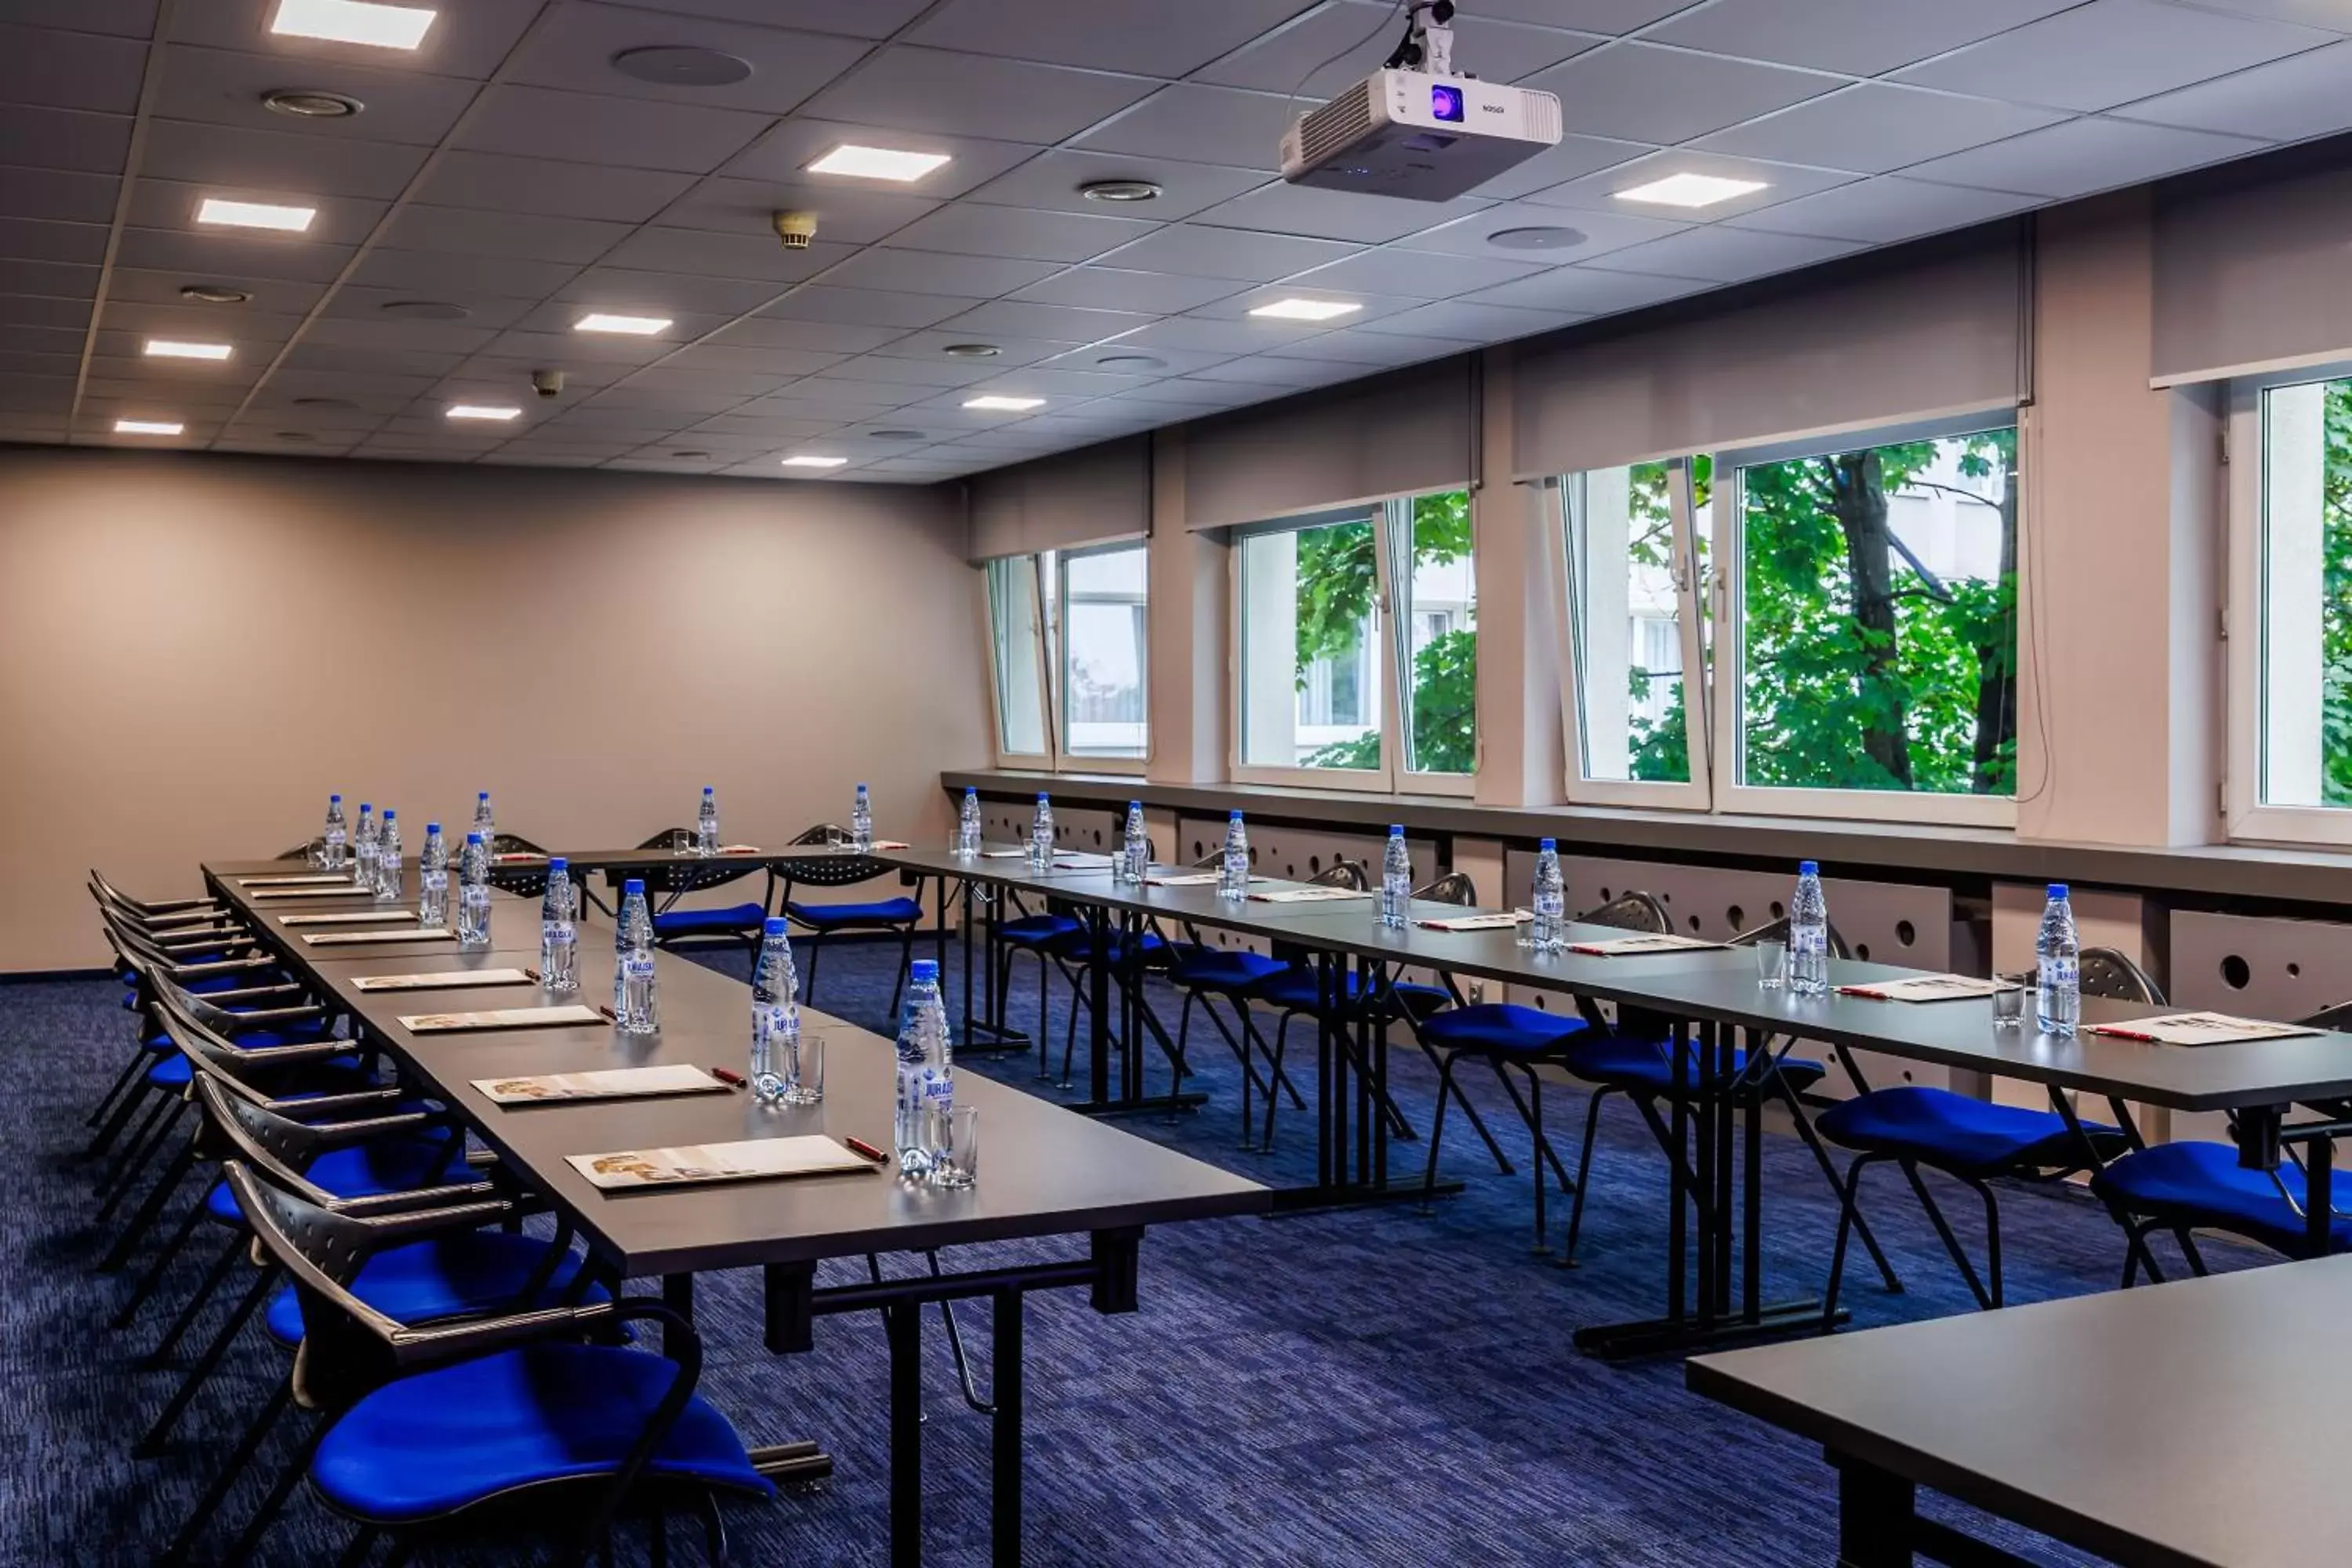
[1045,1173]
[2189,1425]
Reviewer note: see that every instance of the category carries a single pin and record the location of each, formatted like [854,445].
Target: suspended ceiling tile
[1198,251]
[1332,48]
[1053,179]
[1147,37]
[865,307]
[464,40]
[1885,210]
[844,216]
[57,194]
[527,236]
[537,122]
[785,153]
[1197,123]
[1777,182]
[226,87]
[1121,288]
[222,155]
[64,139]
[948,92]
[1639,93]
[2081,156]
[930,272]
[708,254]
[1396,270]
[60,69]
[2110,52]
[575,45]
[550,187]
[2301,96]
[1860,37]
[971,229]
[1873,127]
[1057,323]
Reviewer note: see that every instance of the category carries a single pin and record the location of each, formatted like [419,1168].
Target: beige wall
[193,650]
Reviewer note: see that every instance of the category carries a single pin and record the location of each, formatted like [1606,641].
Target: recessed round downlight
[1540,237]
[423,311]
[690,455]
[678,66]
[1132,362]
[304,103]
[971,351]
[1119,191]
[342,404]
[896,435]
[213,294]
[293,436]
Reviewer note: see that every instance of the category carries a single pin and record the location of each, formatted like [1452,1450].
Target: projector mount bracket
[1428,43]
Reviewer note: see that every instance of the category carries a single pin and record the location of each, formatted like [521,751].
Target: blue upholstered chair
[1204,972]
[536,1420]
[1915,1127]
[726,925]
[823,920]
[2198,1184]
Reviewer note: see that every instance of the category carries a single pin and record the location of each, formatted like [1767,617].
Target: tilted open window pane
[1632,549]
[1438,632]
[1310,670]
[1104,604]
[1015,629]
[2305,695]
[1876,611]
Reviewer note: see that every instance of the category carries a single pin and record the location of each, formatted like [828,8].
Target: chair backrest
[2337,1016]
[839,871]
[1354,874]
[1453,888]
[348,1346]
[302,851]
[1631,911]
[239,1129]
[1778,931]
[512,844]
[2104,971]
[690,876]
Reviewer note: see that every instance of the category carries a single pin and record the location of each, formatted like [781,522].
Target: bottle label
[1808,939]
[2061,974]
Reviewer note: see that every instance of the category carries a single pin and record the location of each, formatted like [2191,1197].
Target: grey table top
[2202,1422]
[1045,1170]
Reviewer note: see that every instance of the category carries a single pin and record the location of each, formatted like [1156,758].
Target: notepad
[1001,854]
[319,879]
[1308,895]
[1189,878]
[1634,946]
[356,938]
[447,980]
[750,1160]
[611,1083]
[1500,920]
[351,917]
[559,1017]
[2198,1029]
[312,893]
[1927,988]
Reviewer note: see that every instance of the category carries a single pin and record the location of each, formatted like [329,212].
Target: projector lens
[1446,103]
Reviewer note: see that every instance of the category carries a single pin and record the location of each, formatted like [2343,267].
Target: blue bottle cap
[775,925]
[334,800]
[1135,805]
[1549,846]
[1234,816]
[432,828]
[969,793]
[2057,890]
[861,789]
[1041,797]
[632,887]
[1396,830]
[557,863]
[365,806]
[473,837]
[1808,869]
[482,794]
[389,814]
[924,969]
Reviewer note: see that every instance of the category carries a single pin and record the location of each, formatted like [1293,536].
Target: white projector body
[1424,138]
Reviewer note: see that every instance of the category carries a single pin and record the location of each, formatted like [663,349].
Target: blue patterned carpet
[1364,1387]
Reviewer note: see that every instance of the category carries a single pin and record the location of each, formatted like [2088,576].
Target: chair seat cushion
[841,917]
[341,1074]
[430,1444]
[1501,1026]
[1038,931]
[394,1165]
[471,1271]
[2201,1183]
[1629,1062]
[1954,1131]
[724,920]
[1297,990]
[1216,969]
[1078,947]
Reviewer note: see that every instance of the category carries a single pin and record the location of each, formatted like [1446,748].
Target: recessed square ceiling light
[164,348]
[1306,310]
[814,462]
[1689,190]
[353,22]
[877,163]
[636,326]
[255,214]
[481,410]
[148,427]
[1012,405]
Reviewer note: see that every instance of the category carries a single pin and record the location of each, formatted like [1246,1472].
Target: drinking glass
[953,1136]
[803,1069]
[1772,964]
[2008,1006]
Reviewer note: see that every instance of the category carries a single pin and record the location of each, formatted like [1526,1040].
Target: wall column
[1520,574]
[1187,631]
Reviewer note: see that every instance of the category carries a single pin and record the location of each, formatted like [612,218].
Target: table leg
[1751,1205]
[1678,1192]
[902,1323]
[1004,1504]
[2319,1196]
[1099,1005]
[1876,1516]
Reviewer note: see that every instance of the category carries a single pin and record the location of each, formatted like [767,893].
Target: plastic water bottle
[473,896]
[2058,966]
[1134,847]
[967,839]
[335,842]
[926,1066]
[388,878]
[363,848]
[1548,932]
[706,824]
[1233,871]
[485,823]
[1809,934]
[775,1016]
[433,879]
[634,1008]
[559,937]
[861,823]
[1041,835]
[1396,880]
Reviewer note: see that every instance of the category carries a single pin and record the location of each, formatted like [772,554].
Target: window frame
[1048,760]
[2244,636]
[1696,793]
[1054,625]
[1390,519]
[1728,552]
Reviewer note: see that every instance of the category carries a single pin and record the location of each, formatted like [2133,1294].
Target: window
[1862,654]
[1333,687]
[1067,633]
[2290,773]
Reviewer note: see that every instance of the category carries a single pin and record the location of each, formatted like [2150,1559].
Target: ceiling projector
[1424,135]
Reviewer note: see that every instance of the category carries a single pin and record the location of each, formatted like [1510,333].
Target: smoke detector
[795,229]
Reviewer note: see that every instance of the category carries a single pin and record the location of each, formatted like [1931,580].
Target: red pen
[869,1150]
[610,1017]
[733,1079]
